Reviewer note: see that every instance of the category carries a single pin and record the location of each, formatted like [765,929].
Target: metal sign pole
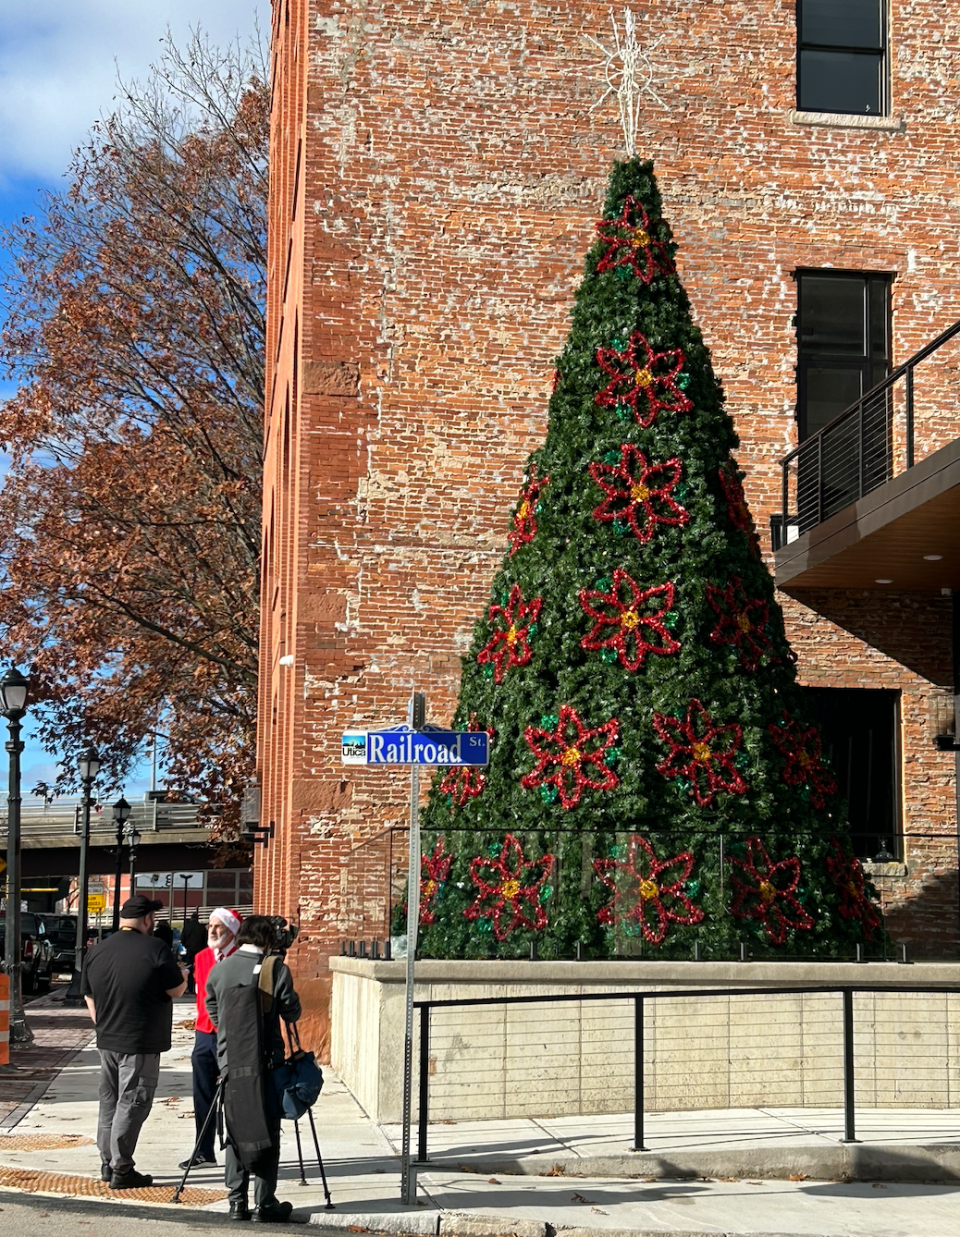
[408,1178]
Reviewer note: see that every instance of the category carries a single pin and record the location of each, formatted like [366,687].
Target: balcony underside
[885,536]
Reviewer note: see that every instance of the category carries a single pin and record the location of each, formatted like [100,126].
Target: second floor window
[841,56]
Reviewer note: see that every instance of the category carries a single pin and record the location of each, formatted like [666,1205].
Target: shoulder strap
[266,982]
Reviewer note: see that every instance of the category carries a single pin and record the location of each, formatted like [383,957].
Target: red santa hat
[231,920]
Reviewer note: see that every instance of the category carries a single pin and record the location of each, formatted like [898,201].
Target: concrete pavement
[531,1177]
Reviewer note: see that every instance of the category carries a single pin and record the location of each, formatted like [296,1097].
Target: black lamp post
[121,814]
[187,878]
[89,768]
[134,839]
[13,689]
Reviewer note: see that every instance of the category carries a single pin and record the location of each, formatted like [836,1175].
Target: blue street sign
[402,746]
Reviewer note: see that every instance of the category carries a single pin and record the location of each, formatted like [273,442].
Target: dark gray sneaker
[130,1180]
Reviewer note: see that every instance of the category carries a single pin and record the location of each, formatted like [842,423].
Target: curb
[471,1224]
[933,1163]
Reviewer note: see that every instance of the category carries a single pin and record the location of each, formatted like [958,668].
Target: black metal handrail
[846,992]
[852,456]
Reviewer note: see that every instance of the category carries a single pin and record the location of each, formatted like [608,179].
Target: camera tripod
[216,1111]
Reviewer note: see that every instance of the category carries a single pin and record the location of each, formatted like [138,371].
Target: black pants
[205,1074]
[237,1179]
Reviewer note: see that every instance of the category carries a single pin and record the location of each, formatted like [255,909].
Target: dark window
[859,729]
[843,350]
[841,56]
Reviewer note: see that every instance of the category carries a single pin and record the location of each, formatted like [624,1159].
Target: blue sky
[59,62]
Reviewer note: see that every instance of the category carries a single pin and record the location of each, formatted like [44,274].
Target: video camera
[286,932]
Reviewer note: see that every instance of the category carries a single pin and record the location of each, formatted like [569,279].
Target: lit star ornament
[628,73]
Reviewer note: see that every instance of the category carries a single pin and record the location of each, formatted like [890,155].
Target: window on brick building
[860,732]
[841,56]
[843,342]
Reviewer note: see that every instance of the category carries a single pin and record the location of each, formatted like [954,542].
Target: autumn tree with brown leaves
[130,514]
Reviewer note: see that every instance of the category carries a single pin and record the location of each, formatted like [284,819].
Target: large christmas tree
[653,779]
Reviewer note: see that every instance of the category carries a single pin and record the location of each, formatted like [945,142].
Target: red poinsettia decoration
[642,379]
[702,751]
[740,621]
[463,782]
[510,643]
[801,748]
[510,888]
[434,870]
[630,244]
[629,619]
[571,756]
[737,507]
[639,492]
[648,889]
[846,872]
[525,517]
[765,892]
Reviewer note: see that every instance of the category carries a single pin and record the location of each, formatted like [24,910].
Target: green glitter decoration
[613,457]
[683,381]
[549,721]
[487,670]
[613,755]
[619,852]
[623,414]
[671,620]
[546,892]
[548,794]
[620,528]
[532,630]
[609,655]
[624,272]
[504,599]
[682,491]
[619,343]
[494,849]
[604,584]
[742,760]
[484,925]
[691,888]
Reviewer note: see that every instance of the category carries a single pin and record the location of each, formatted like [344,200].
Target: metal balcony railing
[871,441]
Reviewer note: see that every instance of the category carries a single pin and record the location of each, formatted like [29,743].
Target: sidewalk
[524,1177]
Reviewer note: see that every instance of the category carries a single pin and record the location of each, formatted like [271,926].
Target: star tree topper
[628,72]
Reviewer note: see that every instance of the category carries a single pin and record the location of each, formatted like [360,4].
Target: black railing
[845,991]
[867,444]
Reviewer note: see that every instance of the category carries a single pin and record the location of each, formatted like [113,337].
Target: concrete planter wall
[727,1051]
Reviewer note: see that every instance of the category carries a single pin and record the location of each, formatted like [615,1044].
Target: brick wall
[436,175]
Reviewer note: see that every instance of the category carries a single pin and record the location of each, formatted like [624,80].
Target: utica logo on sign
[402,746]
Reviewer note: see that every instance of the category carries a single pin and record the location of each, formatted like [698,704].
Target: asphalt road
[34,1216]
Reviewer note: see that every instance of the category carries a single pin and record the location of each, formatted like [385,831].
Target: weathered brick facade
[436,175]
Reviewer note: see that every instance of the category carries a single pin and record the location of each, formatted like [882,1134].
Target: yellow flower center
[430,888]
[643,377]
[641,239]
[629,619]
[743,622]
[767,891]
[510,888]
[572,756]
[803,760]
[512,635]
[523,510]
[853,888]
[701,753]
[639,493]
[648,890]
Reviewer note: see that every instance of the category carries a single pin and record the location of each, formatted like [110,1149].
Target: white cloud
[59,61]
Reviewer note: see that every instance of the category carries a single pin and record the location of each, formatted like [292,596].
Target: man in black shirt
[128,982]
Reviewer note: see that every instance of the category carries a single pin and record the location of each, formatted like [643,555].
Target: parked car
[36,951]
[61,931]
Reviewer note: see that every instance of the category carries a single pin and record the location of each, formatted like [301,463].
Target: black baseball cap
[138,906]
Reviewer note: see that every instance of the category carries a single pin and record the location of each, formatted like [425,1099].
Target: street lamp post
[187,878]
[13,689]
[134,839]
[89,768]
[121,814]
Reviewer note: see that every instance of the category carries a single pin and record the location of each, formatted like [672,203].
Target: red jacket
[203,964]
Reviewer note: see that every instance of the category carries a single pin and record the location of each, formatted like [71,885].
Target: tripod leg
[296,1130]
[218,1096]
[323,1174]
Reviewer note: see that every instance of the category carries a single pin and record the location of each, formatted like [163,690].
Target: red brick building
[437,171]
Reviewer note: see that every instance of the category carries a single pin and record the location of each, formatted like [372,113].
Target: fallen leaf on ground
[493,1181]
[357,1228]
[578,1198]
[797,1177]
[556,1171]
[878,1185]
[600,1211]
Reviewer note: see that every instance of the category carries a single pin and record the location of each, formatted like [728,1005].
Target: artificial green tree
[653,781]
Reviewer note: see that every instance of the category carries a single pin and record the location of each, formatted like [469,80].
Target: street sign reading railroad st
[402,746]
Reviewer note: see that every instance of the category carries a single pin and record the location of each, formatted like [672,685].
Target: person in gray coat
[249,1044]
